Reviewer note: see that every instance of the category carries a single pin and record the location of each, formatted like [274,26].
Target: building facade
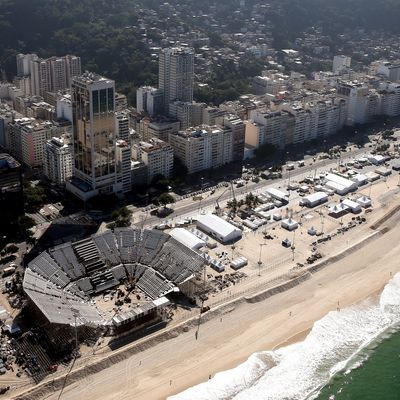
[158,156]
[204,147]
[48,75]
[94,137]
[176,73]
[26,138]
[57,160]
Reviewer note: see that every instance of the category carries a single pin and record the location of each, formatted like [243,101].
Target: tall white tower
[176,71]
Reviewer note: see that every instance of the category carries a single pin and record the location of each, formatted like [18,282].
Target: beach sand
[224,342]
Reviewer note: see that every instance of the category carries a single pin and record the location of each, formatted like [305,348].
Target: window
[111,99]
[103,100]
[95,100]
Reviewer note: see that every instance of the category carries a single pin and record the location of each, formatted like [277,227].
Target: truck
[9,270]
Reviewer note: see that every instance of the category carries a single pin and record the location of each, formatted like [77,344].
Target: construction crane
[230,187]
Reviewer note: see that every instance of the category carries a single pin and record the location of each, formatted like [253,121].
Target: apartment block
[157,155]
[204,147]
[57,160]
[176,74]
[26,138]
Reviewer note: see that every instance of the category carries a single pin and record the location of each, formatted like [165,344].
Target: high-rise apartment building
[389,70]
[238,128]
[363,103]
[176,72]
[150,100]
[189,114]
[24,64]
[10,180]
[296,122]
[48,75]
[94,137]
[390,99]
[203,148]
[26,138]
[57,160]
[123,151]
[157,155]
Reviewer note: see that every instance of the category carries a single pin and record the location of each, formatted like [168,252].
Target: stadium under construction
[110,282]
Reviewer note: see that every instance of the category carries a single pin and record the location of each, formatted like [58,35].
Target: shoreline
[226,355]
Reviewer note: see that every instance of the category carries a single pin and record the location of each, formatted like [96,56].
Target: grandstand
[68,282]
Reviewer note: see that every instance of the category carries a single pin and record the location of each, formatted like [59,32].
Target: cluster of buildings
[293,110]
[81,133]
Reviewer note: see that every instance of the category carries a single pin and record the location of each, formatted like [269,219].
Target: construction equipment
[232,190]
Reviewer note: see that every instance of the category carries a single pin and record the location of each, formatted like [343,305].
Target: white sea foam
[300,370]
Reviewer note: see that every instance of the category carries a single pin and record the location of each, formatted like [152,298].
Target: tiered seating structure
[63,279]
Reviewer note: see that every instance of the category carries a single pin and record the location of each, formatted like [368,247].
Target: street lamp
[259,260]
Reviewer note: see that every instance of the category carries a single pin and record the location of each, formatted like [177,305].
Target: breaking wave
[340,341]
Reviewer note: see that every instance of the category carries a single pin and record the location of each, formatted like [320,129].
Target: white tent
[187,238]
[314,199]
[218,228]
[352,205]
[340,184]
[364,201]
[338,210]
[289,224]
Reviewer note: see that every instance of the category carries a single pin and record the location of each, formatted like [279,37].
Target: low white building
[313,200]
[218,228]
[376,159]
[383,171]
[340,184]
[372,176]
[338,210]
[364,201]
[278,194]
[353,206]
[360,179]
[187,238]
[289,224]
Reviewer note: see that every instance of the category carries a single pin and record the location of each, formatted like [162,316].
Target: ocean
[352,353]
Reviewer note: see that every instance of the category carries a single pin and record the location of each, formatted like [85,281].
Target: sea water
[341,354]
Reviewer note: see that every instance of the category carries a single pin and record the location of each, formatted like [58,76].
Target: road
[186,208]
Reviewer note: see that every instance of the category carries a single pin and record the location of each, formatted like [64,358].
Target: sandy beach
[172,366]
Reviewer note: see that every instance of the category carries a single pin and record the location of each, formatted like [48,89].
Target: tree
[34,198]
[165,199]
[265,150]
[160,182]
[122,217]
[12,248]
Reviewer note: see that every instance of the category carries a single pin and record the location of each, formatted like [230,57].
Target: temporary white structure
[364,201]
[353,206]
[338,210]
[187,238]
[360,179]
[218,228]
[376,159]
[312,231]
[372,176]
[340,184]
[239,263]
[314,199]
[289,224]
[383,171]
[278,194]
